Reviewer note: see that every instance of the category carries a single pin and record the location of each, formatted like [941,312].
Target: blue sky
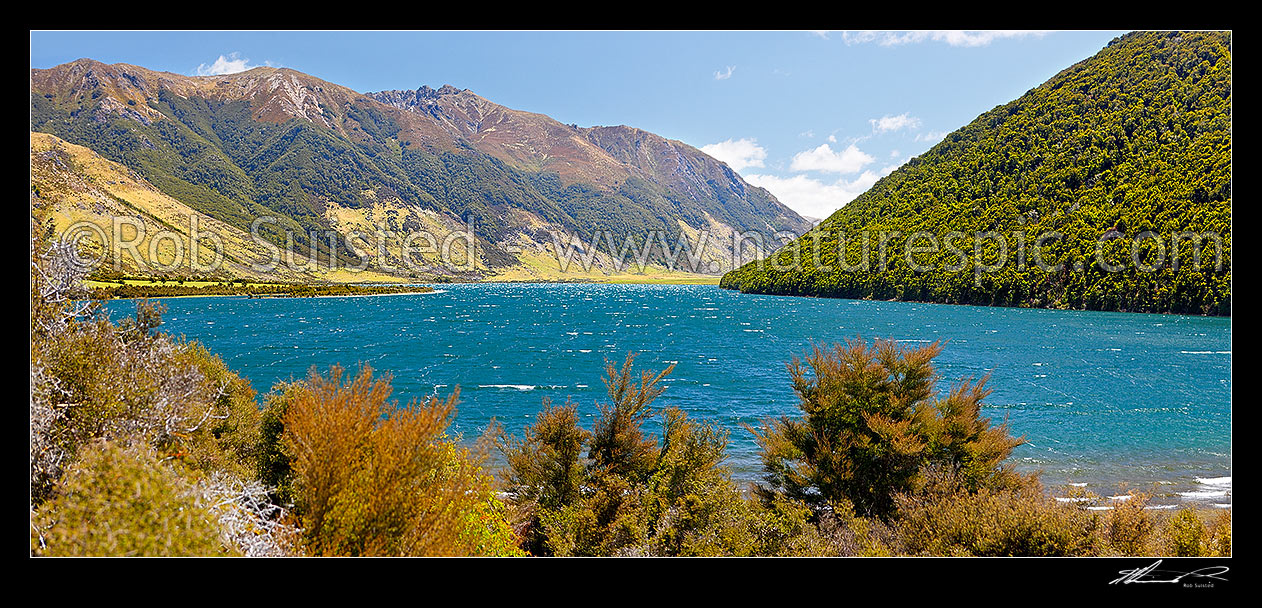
[814,117]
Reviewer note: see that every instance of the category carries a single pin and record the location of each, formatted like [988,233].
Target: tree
[371,478]
[872,422]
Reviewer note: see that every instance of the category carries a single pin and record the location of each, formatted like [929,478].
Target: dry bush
[372,478]
[125,383]
[1129,526]
[1219,540]
[247,519]
[55,278]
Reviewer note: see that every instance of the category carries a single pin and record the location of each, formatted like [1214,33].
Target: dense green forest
[1120,163]
[144,444]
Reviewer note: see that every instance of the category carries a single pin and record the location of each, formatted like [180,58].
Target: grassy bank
[139,288]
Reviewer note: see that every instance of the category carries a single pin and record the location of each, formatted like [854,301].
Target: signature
[1151,574]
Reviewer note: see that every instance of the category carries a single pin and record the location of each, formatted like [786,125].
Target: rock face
[274,140]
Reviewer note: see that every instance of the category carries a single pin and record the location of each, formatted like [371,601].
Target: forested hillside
[1112,162]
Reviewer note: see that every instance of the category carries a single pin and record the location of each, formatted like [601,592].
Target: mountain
[1127,153]
[319,157]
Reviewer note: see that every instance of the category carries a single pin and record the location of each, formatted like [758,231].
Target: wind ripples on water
[1111,400]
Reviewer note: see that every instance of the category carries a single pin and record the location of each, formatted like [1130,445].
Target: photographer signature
[1150,574]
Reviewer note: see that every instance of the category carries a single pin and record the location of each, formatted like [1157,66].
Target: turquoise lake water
[1109,400]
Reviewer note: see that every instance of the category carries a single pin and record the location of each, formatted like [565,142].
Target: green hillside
[275,142]
[1134,140]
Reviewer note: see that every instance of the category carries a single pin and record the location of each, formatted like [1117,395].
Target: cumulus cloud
[888,169]
[227,64]
[932,137]
[824,158]
[888,123]
[739,154]
[951,37]
[811,197]
[721,75]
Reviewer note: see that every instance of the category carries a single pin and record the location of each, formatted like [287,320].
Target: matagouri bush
[145,444]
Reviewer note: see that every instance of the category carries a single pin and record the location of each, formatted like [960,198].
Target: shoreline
[896,301]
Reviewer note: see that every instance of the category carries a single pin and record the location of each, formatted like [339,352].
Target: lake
[1109,400]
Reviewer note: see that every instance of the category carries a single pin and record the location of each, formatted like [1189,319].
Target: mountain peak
[447,150]
[423,96]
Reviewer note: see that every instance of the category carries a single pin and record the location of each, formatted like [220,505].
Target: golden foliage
[372,478]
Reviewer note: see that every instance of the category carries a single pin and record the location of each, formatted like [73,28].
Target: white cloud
[888,169]
[738,153]
[888,123]
[821,33]
[894,153]
[951,37]
[725,75]
[832,138]
[807,133]
[932,137]
[824,158]
[812,197]
[230,64]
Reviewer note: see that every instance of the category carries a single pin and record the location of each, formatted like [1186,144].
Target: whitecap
[1203,494]
[520,387]
[1214,481]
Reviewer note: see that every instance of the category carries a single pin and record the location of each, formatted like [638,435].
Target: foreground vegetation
[143,444]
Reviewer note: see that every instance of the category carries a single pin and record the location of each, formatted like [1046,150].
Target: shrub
[121,501]
[273,465]
[1185,535]
[371,478]
[546,469]
[614,491]
[948,519]
[1219,540]
[127,383]
[872,422]
[1129,526]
